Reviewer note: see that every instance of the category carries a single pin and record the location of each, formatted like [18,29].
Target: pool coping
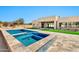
[16,46]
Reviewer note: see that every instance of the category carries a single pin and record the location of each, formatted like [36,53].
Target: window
[50,24]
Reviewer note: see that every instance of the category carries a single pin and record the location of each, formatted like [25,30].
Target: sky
[30,13]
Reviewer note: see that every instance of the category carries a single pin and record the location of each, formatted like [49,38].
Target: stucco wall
[37,23]
[56,20]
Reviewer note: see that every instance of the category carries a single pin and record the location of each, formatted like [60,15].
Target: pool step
[41,35]
[31,35]
[19,33]
[36,37]
[27,36]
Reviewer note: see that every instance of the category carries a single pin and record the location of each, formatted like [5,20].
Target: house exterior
[57,22]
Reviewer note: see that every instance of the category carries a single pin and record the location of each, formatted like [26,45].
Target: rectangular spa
[27,37]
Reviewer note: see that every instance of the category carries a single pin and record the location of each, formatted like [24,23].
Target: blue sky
[30,13]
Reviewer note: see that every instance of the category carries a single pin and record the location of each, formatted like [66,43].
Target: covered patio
[69,25]
[47,24]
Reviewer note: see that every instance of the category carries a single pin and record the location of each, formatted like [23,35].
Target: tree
[19,21]
[29,23]
[5,24]
[0,21]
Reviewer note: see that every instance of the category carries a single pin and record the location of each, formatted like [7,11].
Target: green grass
[63,31]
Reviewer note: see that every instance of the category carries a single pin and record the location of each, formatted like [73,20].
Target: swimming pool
[27,37]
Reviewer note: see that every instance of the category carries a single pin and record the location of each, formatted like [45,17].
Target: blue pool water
[27,37]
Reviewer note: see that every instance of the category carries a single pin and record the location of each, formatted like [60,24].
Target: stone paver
[65,43]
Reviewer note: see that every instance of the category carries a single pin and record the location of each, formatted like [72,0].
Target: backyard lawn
[62,31]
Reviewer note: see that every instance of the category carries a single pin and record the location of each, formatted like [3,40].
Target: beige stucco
[45,20]
[55,20]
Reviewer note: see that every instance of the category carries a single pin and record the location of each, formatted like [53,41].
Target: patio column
[71,24]
[55,25]
[39,25]
[58,27]
[64,25]
[67,25]
[45,25]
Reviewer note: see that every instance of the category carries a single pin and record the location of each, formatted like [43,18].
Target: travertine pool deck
[62,43]
[16,46]
[65,43]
